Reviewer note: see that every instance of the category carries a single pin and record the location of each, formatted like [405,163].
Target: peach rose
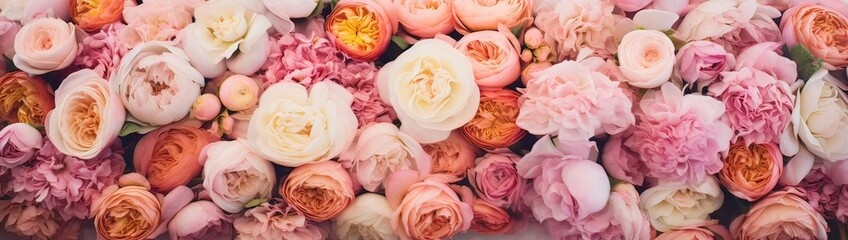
[155,20]
[426,18]
[321,191]
[87,117]
[201,220]
[93,15]
[239,93]
[233,175]
[478,15]
[751,172]
[428,208]
[45,45]
[646,58]
[362,28]
[493,56]
[380,149]
[490,219]
[708,232]
[494,124]
[168,156]
[452,157]
[782,214]
[820,29]
[26,99]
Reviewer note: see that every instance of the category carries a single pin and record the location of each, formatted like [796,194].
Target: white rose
[670,206]
[367,218]
[646,58]
[432,88]
[221,28]
[292,127]
[820,118]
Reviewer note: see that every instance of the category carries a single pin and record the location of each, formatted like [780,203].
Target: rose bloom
[493,56]
[751,171]
[234,175]
[379,150]
[45,45]
[426,18]
[93,15]
[18,144]
[368,217]
[574,103]
[431,86]
[620,219]
[476,15]
[87,117]
[700,62]
[750,97]
[362,29]
[155,20]
[574,25]
[707,232]
[712,19]
[168,156]
[427,208]
[490,219]
[671,206]
[781,215]
[102,51]
[321,191]
[768,57]
[496,180]
[820,29]
[494,125]
[452,157]
[293,126]
[201,220]
[226,35]
[127,210]
[818,119]
[646,58]
[759,29]
[239,93]
[30,220]
[276,220]
[27,99]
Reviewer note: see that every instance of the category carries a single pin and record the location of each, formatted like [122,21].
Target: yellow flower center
[89,7]
[356,27]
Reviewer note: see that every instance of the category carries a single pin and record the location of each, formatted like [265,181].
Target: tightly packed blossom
[34,221]
[572,25]
[824,196]
[783,213]
[275,219]
[155,20]
[26,99]
[452,157]
[751,171]
[102,51]
[620,219]
[494,125]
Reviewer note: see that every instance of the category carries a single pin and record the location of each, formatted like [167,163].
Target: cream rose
[369,217]
[432,88]
[820,118]
[670,206]
[493,56]
[87,117]
[646,58]
[292,127]
[233,175]
[379,150]
[156,84]
[45,45]
[425,18]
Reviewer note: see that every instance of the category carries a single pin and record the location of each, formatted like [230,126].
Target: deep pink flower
[825,196]
[101,52]
[700,62]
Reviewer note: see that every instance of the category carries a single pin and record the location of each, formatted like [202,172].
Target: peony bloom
[768,57]
[155,20]
[782,214]
[707,232]
[239,93]
[156,84]
[819,28]
[758,106]
[494,125]
[45,45]
[276,220]
[87,117]
[574,103]
[293,126]
[751,171]
[201,220]
[168,156]
[452,157]
[620,219]
[570,26]
[819,119]
[679,137]
[321,191]
[27,99]
[671,206]
[825,196]
[426,19]
[646,58]
[476,15]
[621,162]
[496,180]
[18,144]
[226,35]
[93,15]
[379,150]
[101,52]
[33,221]
[302,59]
[234,175]
[431,86]
[759,29]
[713,19]
[427,208]
[359,78]
[490,219]
[362,28]
[493,56]
[369,217]
[700,62]
[583,186]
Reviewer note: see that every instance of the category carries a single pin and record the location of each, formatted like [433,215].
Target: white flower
[820,118]
[671,206]
[646,58]
[367,218]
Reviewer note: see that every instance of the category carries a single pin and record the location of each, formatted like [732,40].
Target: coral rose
[45,45]
[321,191]
[380,149]
[93,15]
[233,175]
[452,157]
[820,29]
[496,180]
[493,56]
[781,215]
[426,18]
[490,219]
[18,144]
[478,15]
[751,171]
[369,217]
[494,125]
[168,156]
[362,29]
[26,99]
[427,208]
[646,58]
[276,220]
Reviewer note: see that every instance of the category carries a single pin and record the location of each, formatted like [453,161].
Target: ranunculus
[234,175]
[751,171]
[155,20]
[239,93]
[427,208]
[32,221]
[574,103]
[93,15]
[426,18]
[379,150]
[452,157]
[276,220]
[18,144]
[782,214]
[496,180]
[206,107]
[819,119]
[631,5]
[321,191]
[292,127]
[620,219]
[707,232]
[493,56]
[26,11]
[494,125]
[26,99]
[156,84]
[582,185]
[758,106]
[477,15]
[87,117]
[490,219]
[362,29]
[226,35]
[431,86]
[712,19]
[168,156]
[369,217]
[700,62]
[570,26]
[672,206]
[101,51]
[201,220]
[45,45]
[646,58]
[820,29]
[768,57]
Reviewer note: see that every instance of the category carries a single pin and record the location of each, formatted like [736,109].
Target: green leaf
[517,31]
[129,128]
[403,44]
[318,8]
[807,64]
[333,4]
[255,202]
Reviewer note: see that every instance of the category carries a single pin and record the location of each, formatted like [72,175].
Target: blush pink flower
[19,143]
[760,28]
[620,219]
[276,220]
[700,62]
[358,78]
[155,20]
[573,25]
[102,51]
[824,195]
[200,220]
[768,57]
[33,221]
[496,180]
[301,59]
[758,105]
[621,162]
[707,232]
[783,214]
[713,19]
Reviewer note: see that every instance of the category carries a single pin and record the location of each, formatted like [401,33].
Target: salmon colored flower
[168,156]
[321,191]
[782,214]
[494,124]
[452,157]
[751,172]
[822,30]
[478,15]
[26,99]
[362,28]
[426,18]
[91,15]
[490,219]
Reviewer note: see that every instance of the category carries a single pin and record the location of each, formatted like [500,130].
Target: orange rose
[452,157]
[751,172]
[494,125]
[91,15]
[362,28]
[321,191]
[168,156]
[478,15]
[820,29]
[490,219]
[25,99]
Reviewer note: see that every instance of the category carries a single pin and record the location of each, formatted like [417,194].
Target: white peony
[671,206]
[367,218]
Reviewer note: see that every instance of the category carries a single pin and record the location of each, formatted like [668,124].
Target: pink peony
[156,20]
[201,220]
[33,221]
[679,137]
[620,219]
[358,78]
[496,180]
[576,24]
[758,105]
[621,162]
[101,52]
[760,28]
[768,57]
[700,62]
[276,220]
[824,196]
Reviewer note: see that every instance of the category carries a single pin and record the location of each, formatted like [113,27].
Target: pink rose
[620,219]
[493,56]
[713,19]
[452,157]
[631,5]
[496,180]
[379,150]
[18,144]
[768,57]
[201,220]
[473,15]
[26,11]
[707,232]
[819,28]
[782,213]
[415,201]
[700,62]
[426,18]
[234,175]
[758,106]
[490,219]
[646,58]
[45,45]
[320,191]
[276,220]
[570,26]
[155,20]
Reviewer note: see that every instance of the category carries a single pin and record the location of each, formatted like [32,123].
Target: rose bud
[239,92]
[206,107]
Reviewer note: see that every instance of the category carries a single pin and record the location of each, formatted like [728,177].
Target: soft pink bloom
[713,19]
[239,92]
[380,149]
[826,197]
[474,15]
[700,62]
[302,59]
[679,7]
[760,28]
[155,20]
[45,45]
[233,175]
[780,5]
[620,219]
[679,137]
[631,5]
[201,220]
[493,56]
[529,71]
[206,107]
[490,219]
[621,162]
[646,58]
[768,57]
[708,232]
[452,157]
[782,214]
[101,52]
[8,30]
[496,180]
[276,220]
[18,144]
[31,220]
[573,25]
[820,28]
[26,11]
[415,198]
[758,105]
[359,79]
[426,18]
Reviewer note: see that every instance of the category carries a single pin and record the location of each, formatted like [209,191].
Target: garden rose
[570,26]
[671,206]
[820,29]
[493,56]
[646,58]
[431,86]
[31,220]
[26,11]
[93,15]
[18,144]
[713,19]
[476,15]
[494,125]
[292,127]
[201,220]
[276,220]
[321,191]
[818,119]
[758,106]
[155,20]
[452,157]
[87,117]
[490,219]
[496,180]
[708,232]
[156,84]
[379,150]
[45,45]
[362,28]
[768,57]
[428,208]
[700,62]
[368,217]
[239,93]
[27,99]
[168,156]
[234,175]
[426,18]
[751,171]
[781,214]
